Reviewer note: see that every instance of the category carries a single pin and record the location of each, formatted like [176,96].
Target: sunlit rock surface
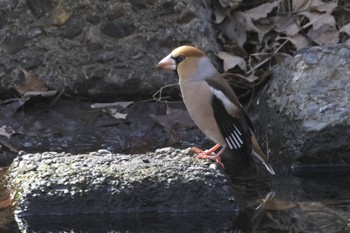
[168,180]
[304,112]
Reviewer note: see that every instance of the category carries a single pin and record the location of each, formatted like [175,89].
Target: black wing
[237,137]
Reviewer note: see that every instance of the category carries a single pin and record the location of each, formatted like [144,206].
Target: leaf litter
[275,29]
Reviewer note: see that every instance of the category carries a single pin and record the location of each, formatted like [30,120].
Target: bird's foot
[207,155]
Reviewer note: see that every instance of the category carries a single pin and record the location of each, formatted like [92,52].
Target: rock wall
[303,113]
[103,49]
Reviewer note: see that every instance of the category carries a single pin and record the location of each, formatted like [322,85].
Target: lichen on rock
[167,180]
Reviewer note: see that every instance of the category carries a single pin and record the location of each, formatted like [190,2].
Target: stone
[117,29]
[72,28]
[39,7]
[118,183]
[304,113]
[107,50]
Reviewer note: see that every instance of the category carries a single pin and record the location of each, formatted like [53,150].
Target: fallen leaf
[232,4]
[252,78]
[120,105]
[345,28]
[277,204]
[280,57]
[287,25]
[174,120]
[317,19]
[309,206]
[262,10]
[300,5]
[235,27]
[323,7]
[6,131]
[31,83]
[324,35]
[60,15]
[264,26]
[115,113]
[6,203]
[173,116]
[347,42]
[299,41]
[220,12]
[230,61]
[45,94]
[113,109]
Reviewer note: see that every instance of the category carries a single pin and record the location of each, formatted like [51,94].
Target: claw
[207,154]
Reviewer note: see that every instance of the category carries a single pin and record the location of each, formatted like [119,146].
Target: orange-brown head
[189,62]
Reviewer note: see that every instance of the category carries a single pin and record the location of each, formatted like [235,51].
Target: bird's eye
[180,58]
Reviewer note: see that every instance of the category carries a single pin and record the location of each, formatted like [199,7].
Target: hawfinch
[213,106]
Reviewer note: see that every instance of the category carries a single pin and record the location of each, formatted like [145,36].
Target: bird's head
[189,63]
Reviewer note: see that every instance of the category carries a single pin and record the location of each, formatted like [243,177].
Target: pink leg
[207,154]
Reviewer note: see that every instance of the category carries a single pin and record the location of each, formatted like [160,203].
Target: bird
[213,106]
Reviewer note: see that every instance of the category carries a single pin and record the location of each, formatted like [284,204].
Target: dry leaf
[60,15]
[325,35]
[31,83]
[174,120]
[311,206]
[44,94]
[236,26]
[232,4]
[230,61]
[120,105]
[252,78]
[262,10]
[317,20]
[346,29]
[277,204]
[301,5]
[280,57]
[299,41]
[115,111]
[322,7]
[287,25]
[219,11]
[6,203]
[6,131]
[264,26]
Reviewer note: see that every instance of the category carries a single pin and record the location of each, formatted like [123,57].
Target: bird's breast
[197,97]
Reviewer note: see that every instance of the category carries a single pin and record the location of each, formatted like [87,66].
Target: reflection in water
[295,205]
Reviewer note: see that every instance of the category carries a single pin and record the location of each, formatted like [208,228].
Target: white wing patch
[229,106]
[234,140]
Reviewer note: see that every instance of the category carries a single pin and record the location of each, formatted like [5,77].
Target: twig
[160,98]
[9,146]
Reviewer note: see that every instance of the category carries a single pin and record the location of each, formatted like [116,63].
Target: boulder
[304,111]
[105,50]
[165,181]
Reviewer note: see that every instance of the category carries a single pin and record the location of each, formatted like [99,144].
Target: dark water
[298,205]
[318,203]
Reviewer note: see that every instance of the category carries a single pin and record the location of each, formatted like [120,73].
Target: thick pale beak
[167,63]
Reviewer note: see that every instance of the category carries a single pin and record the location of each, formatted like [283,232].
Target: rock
[72,28]
[305,111]
[168,180]
[117,29]
[106,50]
[39,7]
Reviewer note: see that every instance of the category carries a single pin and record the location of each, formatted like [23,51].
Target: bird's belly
[199,107]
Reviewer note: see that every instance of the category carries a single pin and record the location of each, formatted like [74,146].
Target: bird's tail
[268,167]
[260,155]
